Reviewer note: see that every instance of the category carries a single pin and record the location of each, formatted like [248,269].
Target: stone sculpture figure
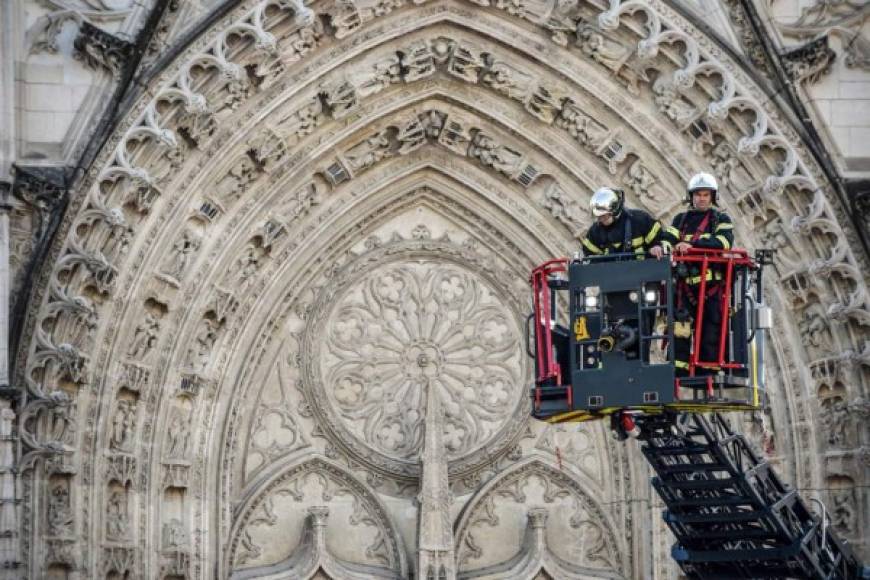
[60,516]
[490,153]
[198,355]
[144,337]
[117,518]
[122,425]
[611,54]
[174,536]
[182,250]
[178,434]
[370,151]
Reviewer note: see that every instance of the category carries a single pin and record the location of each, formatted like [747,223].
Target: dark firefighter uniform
[710,229]
[633,231]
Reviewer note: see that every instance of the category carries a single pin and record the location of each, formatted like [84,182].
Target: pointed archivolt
[442,245]
[274,132]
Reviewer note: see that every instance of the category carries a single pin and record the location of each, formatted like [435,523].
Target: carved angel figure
[369,152]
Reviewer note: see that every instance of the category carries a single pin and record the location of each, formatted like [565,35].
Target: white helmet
[701,181]
[606,200]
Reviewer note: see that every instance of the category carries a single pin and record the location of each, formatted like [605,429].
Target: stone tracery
[409,324]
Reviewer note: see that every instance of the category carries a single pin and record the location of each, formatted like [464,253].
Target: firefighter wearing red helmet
[703,226]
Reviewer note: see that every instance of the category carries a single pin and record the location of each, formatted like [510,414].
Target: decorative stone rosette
[389,329]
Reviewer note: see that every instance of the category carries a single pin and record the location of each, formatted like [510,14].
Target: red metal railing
[726,259]
[548,369]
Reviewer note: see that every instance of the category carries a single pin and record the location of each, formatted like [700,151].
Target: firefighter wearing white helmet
[703,226]
[619,230]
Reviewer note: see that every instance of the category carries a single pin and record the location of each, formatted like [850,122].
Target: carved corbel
[44,190]
[98,48]
[810,61]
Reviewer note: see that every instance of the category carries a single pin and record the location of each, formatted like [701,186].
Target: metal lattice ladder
[731,514]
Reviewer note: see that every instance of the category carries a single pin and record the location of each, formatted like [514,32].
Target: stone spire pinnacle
[435,555]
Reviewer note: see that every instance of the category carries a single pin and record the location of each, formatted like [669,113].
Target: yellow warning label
[580,330]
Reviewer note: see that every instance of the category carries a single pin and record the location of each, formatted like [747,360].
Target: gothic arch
[263,151]
[560,500]
[277,503]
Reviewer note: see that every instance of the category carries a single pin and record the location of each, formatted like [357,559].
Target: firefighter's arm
[653,235]
[670,236]
[721,238]
[652,239]
[588,245]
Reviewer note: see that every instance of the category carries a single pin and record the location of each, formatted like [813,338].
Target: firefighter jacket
[711,229]
[633,231]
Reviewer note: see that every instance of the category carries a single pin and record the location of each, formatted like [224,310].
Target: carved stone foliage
[578,531]
[358,530]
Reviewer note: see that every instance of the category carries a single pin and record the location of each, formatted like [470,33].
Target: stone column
[4,291]
[9,25]
[435,554]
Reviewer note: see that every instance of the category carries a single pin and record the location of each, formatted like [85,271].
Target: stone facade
[269,317]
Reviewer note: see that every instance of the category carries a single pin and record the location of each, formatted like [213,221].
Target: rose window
[404,326]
